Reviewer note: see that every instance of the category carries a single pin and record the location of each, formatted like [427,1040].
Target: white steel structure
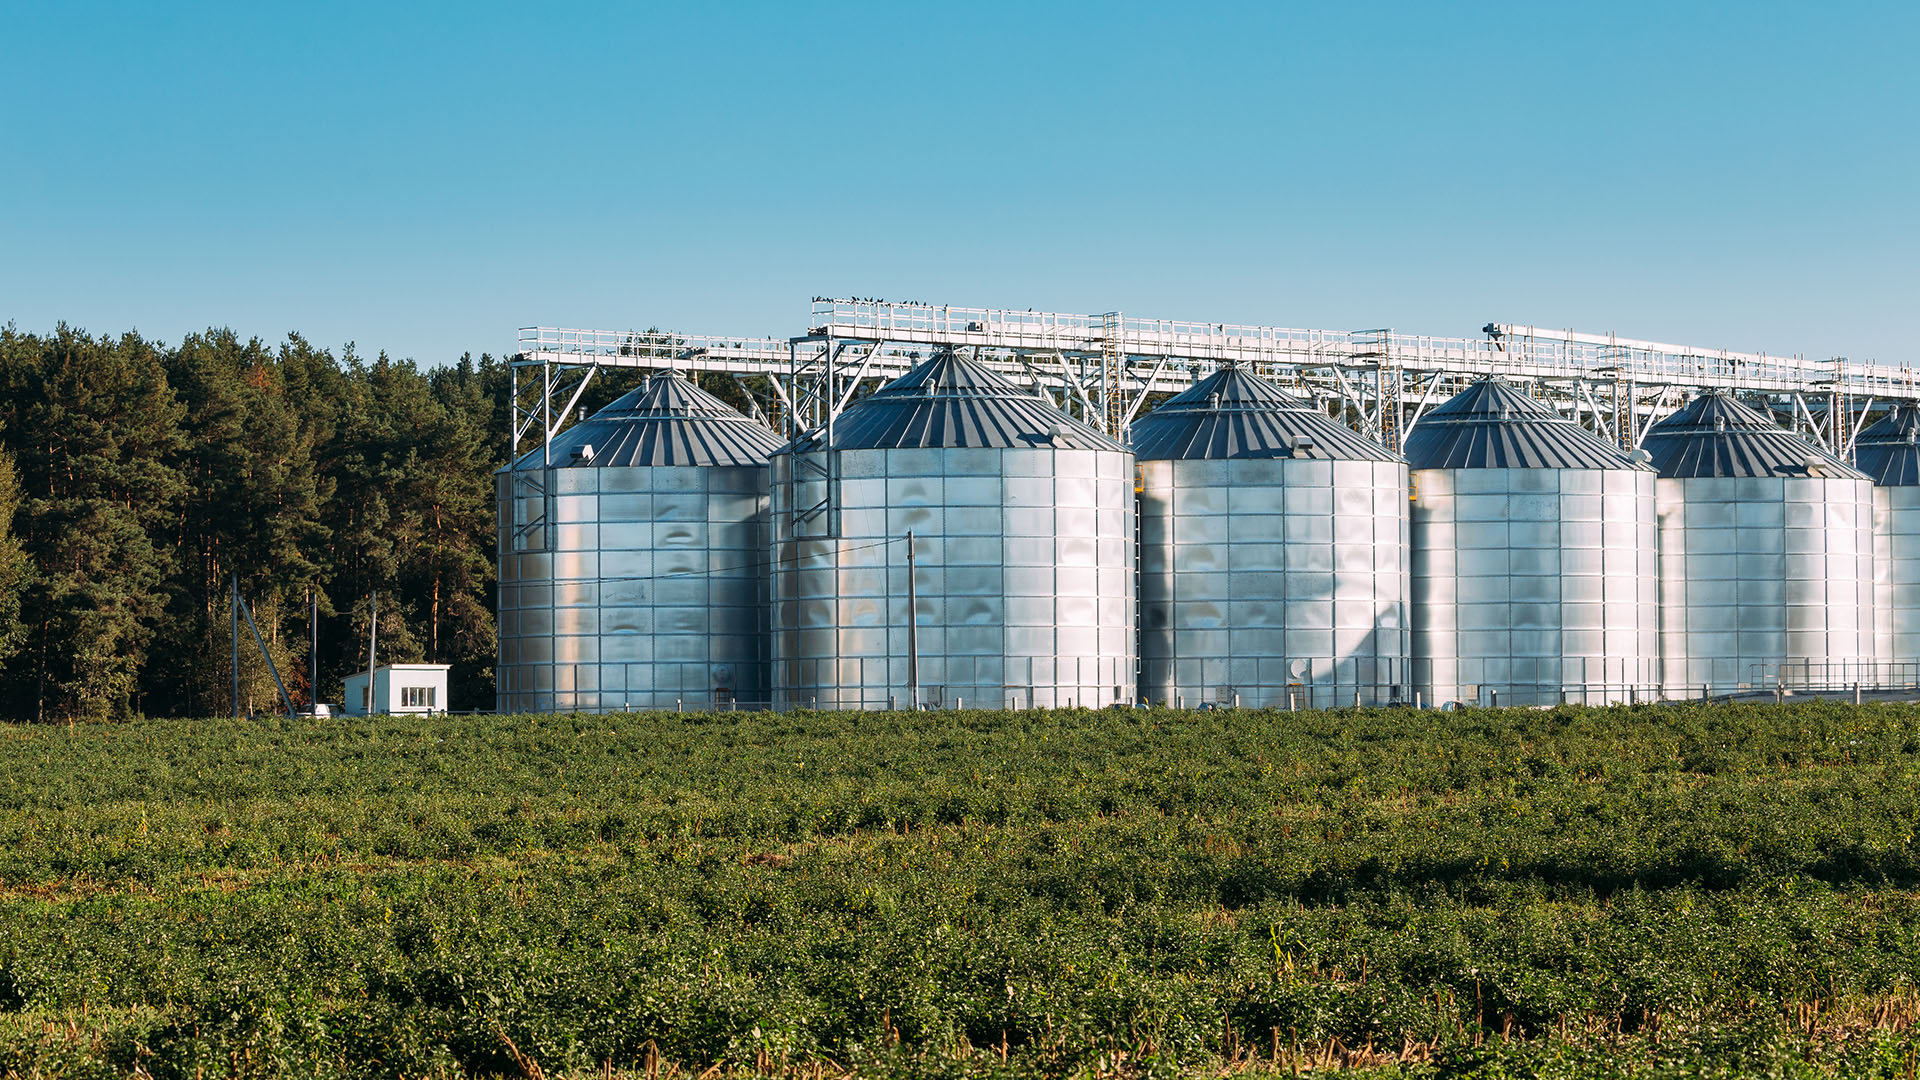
[1105,370]
[1101,367]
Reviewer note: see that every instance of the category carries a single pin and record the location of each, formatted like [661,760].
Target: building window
[418,697]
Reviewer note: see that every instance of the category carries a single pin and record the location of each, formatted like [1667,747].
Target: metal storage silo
[1889,453]
[1766,554]
[633,559]
[1533,545]
[1272,552]
[1023,551]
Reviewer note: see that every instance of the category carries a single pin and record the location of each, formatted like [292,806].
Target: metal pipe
[826,401]
[913,631]
[313,651]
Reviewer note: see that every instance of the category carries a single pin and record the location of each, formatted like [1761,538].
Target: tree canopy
[137,480]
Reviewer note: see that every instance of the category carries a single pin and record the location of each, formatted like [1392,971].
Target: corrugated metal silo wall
[1764,573]
[651,591]
[1025,577]
[1896,550]
[1533,583]
[1274,582]
[507,591]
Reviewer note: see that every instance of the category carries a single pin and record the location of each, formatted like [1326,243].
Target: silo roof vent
[1492,425]
[1234,413]
[1716,435]
[664,421]
[949,401]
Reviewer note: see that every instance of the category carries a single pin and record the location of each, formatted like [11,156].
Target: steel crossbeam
[1103,368]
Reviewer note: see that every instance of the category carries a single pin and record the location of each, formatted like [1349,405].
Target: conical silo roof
[1889,450]
[1236,414]
[951,402]
[1491,425]
[1717,436]
[664,421]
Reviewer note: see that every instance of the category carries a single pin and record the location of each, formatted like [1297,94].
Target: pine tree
[15,570]
[95,430]
[375,517]
[454,561]
[137,480]
[252,508]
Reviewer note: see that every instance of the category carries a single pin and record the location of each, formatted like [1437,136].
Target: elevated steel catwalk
[1102,367]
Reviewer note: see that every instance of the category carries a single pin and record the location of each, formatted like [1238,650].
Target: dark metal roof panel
[666,421]
[1491,425]
[1718,436]
[1889,451]
[1236,414]
[951,402]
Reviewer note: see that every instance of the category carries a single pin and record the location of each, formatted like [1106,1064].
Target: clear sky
[425,178]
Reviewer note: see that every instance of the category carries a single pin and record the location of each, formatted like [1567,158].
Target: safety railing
[1834,676]
[643,348]
[1520,350]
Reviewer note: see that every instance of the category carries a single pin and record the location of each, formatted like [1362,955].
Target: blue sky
[425,178]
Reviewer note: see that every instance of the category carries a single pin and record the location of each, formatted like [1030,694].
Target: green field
[1657,891]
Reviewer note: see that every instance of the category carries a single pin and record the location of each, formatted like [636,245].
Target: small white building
[398,688]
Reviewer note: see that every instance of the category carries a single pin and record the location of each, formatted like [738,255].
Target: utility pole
[235,604]
[313,651]
[373,642]
[913,632]
[272,668]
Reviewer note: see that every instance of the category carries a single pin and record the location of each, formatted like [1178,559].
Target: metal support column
[913,632]
[373,645]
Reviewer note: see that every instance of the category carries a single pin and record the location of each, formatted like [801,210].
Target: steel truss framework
[1106,368]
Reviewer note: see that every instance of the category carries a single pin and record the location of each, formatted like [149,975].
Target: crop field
[1660,891]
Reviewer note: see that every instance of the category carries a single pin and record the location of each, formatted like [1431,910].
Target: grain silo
[1533,547]
[1889,453]
[1766,555]
[1272,565]
[1023,551]
[633,559]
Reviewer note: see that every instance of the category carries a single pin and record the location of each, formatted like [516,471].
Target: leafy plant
[1665,890]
